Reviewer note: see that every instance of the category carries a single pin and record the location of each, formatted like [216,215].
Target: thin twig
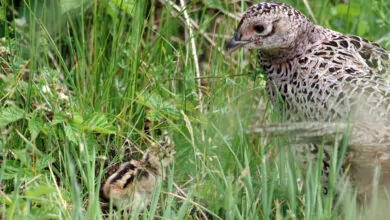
[189,127]
[192,202]
[9,6]
[55,64]
[58,190]
[196,26]
[5,196]
[30,181]
[126,140]
[195,57]
[194,53]
[18,76]
[214,77]
[184,194]
[236,17]
[31,146]
[310,11]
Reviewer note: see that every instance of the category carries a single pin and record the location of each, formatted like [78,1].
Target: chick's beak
[235,42]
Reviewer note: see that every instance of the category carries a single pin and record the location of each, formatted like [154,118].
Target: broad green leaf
[13,168]
[154,115]
[77,118]
[124,5]
[68,5]
[58,118]
[152,100]
[43,162]
[98,122]
[23,156]
[10,114]
[103,130]
[158,107]
[72,132]
[39,191]
[34,125]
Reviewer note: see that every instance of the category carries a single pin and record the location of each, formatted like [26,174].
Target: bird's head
[269,27]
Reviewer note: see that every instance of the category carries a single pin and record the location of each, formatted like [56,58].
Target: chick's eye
[259,28]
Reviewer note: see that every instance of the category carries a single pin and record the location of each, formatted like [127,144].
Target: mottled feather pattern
[315,74]
[134,182]
[315,86]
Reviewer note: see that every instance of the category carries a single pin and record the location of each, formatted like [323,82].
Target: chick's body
[134,183]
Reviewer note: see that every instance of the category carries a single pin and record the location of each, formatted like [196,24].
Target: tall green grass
[80,78]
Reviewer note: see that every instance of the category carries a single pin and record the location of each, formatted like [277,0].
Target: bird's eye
[259,28]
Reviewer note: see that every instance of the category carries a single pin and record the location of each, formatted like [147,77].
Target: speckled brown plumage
[315,74]
[133,183]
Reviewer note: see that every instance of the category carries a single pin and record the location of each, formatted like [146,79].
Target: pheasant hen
[315,74]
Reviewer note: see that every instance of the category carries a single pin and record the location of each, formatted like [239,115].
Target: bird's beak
[235,42]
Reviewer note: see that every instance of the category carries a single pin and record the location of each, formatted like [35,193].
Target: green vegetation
[78,78]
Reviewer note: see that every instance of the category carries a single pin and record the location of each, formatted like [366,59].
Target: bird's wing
[369,58]
[373,54]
